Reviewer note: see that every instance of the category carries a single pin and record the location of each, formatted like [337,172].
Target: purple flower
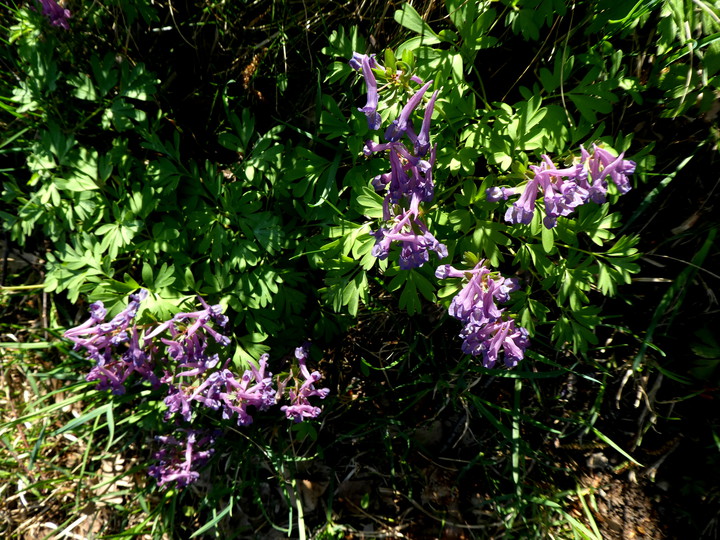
[202,318]
[414,237]
[356,62]
[56,14]
[409,181]
[523,210]
[476,300]
[409,175]
[99,338]
[422,141]
[616,168]
[222,390]
[494,194]
[486,329]
[399,126]
[177,402]
[299,394]
[563,190]
[178,459]
[487,340]
[110,376]
[370,108]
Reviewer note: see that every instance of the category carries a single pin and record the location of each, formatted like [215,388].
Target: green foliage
[565,268]
[103,176]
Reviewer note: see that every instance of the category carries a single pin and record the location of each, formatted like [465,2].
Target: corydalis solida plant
[409,181]
[563,190]
[487,328]
[178,355]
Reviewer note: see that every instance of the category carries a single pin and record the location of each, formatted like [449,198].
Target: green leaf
[408,17]
[487,238]
[84,88]
[93,413]
[136,83]
[105,72]
[409,299]
[217,517]
[464,161]
[147,274]
[370,203]
[268,230]
[165,276]
[548,240]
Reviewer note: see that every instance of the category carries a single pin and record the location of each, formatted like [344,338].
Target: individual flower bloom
[414,237]
[299,394]
[572,172]
[177,402]
[399,181]
[140,359]
[515,344]
[495,194]
[582,176]
[616,168]
[197,365]
[215,312]
[302,352]
[487,340]
[415,250]
[56,14]
[561,198]
[122,320]
[398,127]
[370,108]
[523,210]
[445,271]
[472,293]
[202,318]
[423,173]
[502,287]
[97,316]
[380,182]
[422,141]
[110,376]
[357,60]
[179,460]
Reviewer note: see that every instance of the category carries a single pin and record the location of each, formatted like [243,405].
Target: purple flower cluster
[179,459]
[102,339]
[409,181]
[223,391]
[487,329]
[56,14]
[300,406]
[563,190]
[177,353]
